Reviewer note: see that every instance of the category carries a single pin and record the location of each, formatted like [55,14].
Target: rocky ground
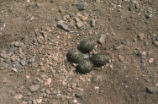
[35,36]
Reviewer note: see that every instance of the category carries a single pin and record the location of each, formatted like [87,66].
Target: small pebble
[131,7]
[79,24]
[121,58]
[151,90]
[97,1]
[22,62]
[3,54]
[81,6]
[155,42]
[51,1]
[96,87]
[101,39]
[31,60]
[18,97]
[125,42]
[34,88]
[34,101]
[75,101]
[92,23]
[61,24]
[151,60]
[96,78]
[48,82]
[148,16]
[37,5]
[24,102]
[78,95]
[17,44]
[141,36]
[14,70]
[39,101]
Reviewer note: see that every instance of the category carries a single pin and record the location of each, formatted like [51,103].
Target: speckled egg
[74,55]
[85,66]
[99,59]
[86,45]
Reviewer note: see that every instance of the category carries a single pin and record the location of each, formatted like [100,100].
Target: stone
[11,50]
[81,6]
[86,45]
[66,17]
[125,42]
[155,43]
[92,23]
[152,90]
[24,102]
[14,70]
[97,1]
[39,101]
[78,95]
[155,62]
[79,24]
[148,15]
[3,54]
[96,87]
[99,59]
[131,7]
[121,58]
[48,82]
[155,40]
[30,102]
[31,60]
[37,5]
[13,58]
[61,24]
[57,19]
[96,78]
[101,39]
[18,97]
[51,1]
[17,65]
[34,88]
[101,91]
[75,101]
[34,101]
[74,55]
[151,60]
[18,44]
[85,66]
[141,36]
[22,62]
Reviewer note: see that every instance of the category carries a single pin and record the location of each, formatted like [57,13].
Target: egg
[85,66]
[75,56]
[86,45]
[99,59]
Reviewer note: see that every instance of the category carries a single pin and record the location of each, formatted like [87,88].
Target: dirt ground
[33,47]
